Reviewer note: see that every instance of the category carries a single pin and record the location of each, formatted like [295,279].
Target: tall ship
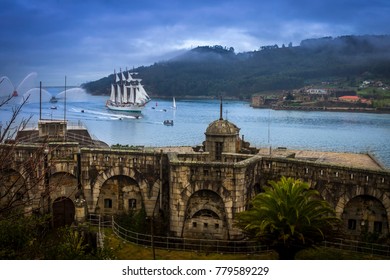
[127,94]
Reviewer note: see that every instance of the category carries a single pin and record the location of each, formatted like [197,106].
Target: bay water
[325,131]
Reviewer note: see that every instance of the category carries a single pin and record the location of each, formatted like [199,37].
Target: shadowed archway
[63,212]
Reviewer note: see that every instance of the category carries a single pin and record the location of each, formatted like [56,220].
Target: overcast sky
[86,40]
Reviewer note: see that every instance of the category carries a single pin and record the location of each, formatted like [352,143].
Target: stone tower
[222,136]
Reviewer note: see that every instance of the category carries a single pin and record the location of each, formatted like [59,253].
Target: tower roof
[222,128]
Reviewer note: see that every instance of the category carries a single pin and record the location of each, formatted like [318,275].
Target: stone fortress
[196,191]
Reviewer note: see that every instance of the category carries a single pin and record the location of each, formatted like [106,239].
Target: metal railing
[181,244]
[227,246]
[358,247]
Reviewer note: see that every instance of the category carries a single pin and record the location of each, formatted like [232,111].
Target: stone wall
[198,197]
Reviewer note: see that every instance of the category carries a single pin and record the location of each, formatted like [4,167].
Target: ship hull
[126,108]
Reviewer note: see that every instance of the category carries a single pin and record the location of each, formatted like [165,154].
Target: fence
[181,244]
[359,247]
[226,246]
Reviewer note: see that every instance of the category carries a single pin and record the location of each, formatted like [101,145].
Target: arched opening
[257,188]
[63,212]
[119,194]
[205,216]
[365,216]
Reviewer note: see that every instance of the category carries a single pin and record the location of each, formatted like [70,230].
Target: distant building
[317,91]
[354,99]
[259,101]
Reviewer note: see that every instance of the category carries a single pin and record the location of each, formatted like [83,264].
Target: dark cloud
[88,39]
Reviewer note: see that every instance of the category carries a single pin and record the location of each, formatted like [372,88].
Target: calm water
[328,131]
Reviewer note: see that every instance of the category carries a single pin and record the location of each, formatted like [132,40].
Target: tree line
[209,71]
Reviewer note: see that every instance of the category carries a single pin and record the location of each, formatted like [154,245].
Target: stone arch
[205,216]
[373,194]
[119,194]
[344,198]
[149,193]
[365,214]
[63,210]
[63,184]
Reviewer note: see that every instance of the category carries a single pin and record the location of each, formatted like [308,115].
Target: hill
[209,71]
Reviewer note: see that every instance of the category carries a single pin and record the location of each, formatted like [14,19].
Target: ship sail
[118,94]
[174,103]
[112,96]
[127,93]
[124,95]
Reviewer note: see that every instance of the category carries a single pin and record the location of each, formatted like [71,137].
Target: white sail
[142,97]
[123,77]
[116,78]
[129,78]
[118,94]
[112,96]
[131,96]
[124,94]
[174,103]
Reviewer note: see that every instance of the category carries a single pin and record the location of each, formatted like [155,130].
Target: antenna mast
[65,102]
[220,110]
[40,100]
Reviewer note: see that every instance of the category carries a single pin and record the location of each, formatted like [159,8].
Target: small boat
[53,107]
[168,122]
[53,99]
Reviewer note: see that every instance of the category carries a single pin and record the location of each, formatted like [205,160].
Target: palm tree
[289,216]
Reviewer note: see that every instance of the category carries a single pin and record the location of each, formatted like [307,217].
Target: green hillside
[210,71]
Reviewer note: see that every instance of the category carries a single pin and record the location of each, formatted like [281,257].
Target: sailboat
[127,94]
[174,104]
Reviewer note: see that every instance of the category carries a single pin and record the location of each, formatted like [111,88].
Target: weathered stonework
[199,193]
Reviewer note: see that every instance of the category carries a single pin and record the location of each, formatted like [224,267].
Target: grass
[128,251]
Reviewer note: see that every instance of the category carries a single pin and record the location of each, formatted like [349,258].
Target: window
[216,226]
[132,203]
[218,150]
[107,203]
[351,224]
[205,172]
[194,224]
[205,225]
[378,227]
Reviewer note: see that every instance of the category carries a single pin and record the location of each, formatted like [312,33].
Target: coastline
[326,109]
